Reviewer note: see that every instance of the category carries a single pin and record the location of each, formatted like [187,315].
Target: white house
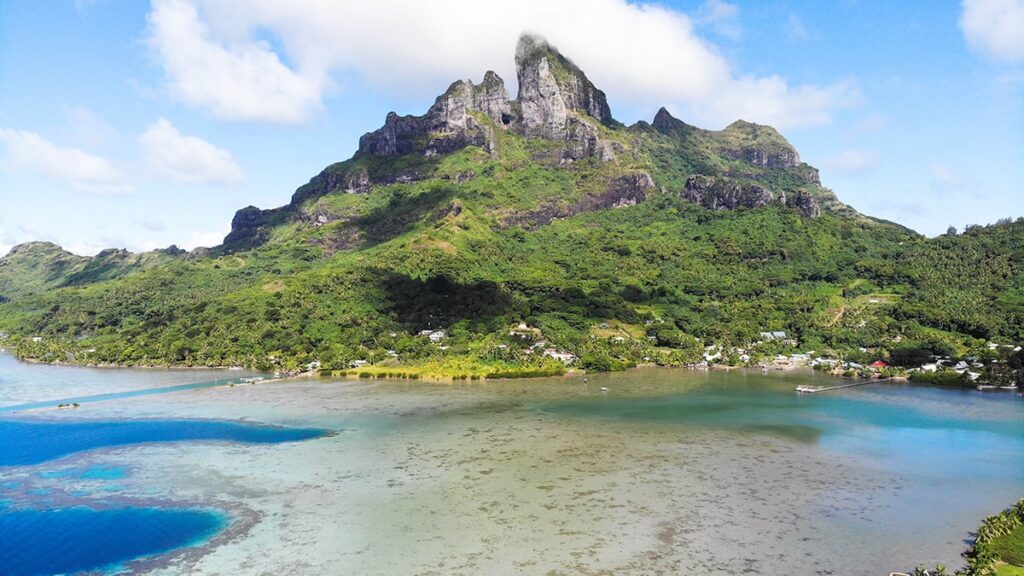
[563,357]
[778,335]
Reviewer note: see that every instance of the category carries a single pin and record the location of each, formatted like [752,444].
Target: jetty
[815,389]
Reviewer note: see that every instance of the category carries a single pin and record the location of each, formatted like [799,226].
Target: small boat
[985,388]
[603,389]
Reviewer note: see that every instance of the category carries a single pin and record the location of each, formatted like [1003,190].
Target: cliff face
[552,89]
[556,102]
[448,125]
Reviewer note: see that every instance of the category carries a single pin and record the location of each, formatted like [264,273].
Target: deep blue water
[25,442]
[35,542]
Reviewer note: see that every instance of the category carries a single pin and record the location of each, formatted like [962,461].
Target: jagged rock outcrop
[628,190]
[551,87]
[666,123]
[720,193]
[448,125]
[760,145]
[249,228]
[805,203]
[556,101]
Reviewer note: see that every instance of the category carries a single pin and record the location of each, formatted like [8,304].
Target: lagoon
[669,471]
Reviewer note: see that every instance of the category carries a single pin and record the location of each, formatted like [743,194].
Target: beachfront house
[357,363]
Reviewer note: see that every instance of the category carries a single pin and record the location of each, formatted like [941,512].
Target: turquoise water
[668,471]
[929,431]
[62,513]
[79,539]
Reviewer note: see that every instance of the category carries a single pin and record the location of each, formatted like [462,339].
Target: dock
[816,389]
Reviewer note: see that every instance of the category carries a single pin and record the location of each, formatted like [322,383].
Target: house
[929,367]
[37,339]
[563,357]
[357,363]
[434,335]
[314,365]
[618,339]
[878,364]
[960,366]
[779,335]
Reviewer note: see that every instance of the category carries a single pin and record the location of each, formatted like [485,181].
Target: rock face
[720,193]
[760,145]
[550,87]
[806,204]
[628,190]
[448,125]
[556,101]
[249,228]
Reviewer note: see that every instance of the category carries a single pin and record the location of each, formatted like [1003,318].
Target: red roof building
[878,364]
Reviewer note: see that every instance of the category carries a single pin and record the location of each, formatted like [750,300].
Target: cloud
[207,239]
[152,225]
[89,126]
[187,158]
[236,81]
[873,122]
[30,152]
[721,16]
[851,161]
[995,28]
[795,28]
[276,61]
[946,180]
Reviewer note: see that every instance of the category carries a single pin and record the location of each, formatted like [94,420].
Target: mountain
[508,222]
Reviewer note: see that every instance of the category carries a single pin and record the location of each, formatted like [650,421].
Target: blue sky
[140,125]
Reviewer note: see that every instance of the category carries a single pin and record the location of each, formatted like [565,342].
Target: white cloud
[873,122]
[30,152]
[946,180]
[721,16]
[795,28]
[851,161]
[275,61]
[207,239]
[995,28]
[89,126]
[7,241]
[187,158]
[152,225]
[237,81]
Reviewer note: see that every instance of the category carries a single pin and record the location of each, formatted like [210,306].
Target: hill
[508,222]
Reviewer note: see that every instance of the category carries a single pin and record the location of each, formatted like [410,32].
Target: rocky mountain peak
[666,123]
[551,87]
[449,123]
[760,145]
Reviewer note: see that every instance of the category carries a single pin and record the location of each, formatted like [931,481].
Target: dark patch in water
[78,539]
[33,442]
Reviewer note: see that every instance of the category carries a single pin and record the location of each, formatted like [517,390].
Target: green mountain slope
[616,244]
